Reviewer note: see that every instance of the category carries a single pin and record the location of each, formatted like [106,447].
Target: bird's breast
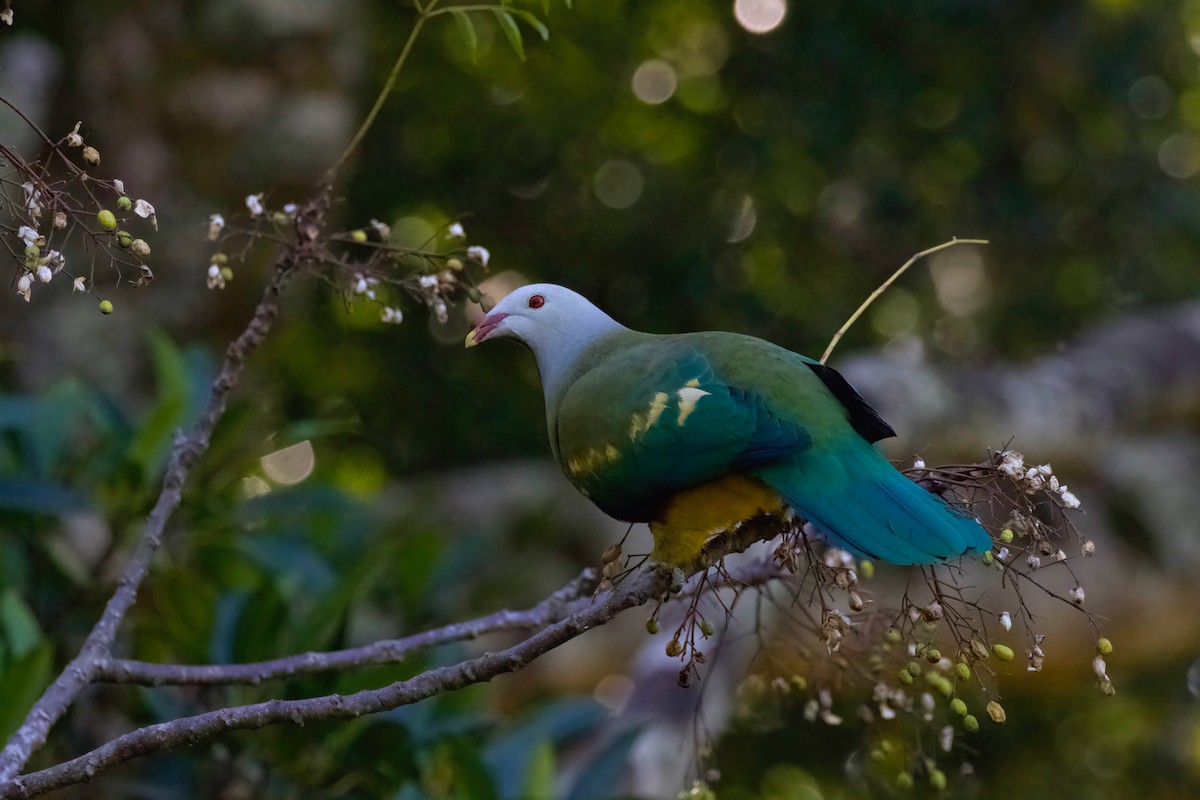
[690,518]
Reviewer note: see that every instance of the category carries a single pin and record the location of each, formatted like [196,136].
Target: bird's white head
[556,323]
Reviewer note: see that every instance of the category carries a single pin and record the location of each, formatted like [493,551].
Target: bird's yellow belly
[693,517]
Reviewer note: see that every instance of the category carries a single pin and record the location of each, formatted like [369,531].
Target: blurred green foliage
[783,178]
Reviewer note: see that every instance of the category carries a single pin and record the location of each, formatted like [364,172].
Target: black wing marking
[864,419]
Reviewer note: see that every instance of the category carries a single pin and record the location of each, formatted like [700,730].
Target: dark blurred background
[757,166]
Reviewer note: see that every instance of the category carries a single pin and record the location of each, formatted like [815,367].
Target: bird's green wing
[659,416]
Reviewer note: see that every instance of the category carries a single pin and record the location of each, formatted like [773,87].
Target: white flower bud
[1069,500]
[73,138]
[455,231]
[215,223]
[78,285]
[1089,547]
[1033,561]
[254,203]
[44,274]
[119,185]
[1076,595]
[480,254]
[1006,621]
[28,235]
[1100,668]
[919,463]
[23,286]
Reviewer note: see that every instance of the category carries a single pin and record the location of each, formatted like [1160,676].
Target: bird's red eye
[537,301]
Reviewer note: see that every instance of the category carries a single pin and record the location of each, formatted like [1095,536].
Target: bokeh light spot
[654,82]
[618,184]
[1179,155]
[760,16]
[291,464]
[1150,97]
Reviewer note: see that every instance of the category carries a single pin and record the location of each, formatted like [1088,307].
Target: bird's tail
[861,503]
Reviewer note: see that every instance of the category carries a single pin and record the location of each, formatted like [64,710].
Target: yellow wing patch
[592,460]
[640,423]
[688,397]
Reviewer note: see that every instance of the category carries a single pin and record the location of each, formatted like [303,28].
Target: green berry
[958,706]
[227,273]
[914,667]
[32,251]
[866,569]
[106,307]
[962,671]
[455,264]
[124,238]
[220,259]
[1003,652]
[1103,646]
[706,627]
[1006,535]
[652,626]
[892,636]
[674,648]
[905,677]
[107,219]
[970,723]
[937,780]
[988,557]
[933,655]
[124,203]
[359,235]
[877,756]
[996,712]
[904,781]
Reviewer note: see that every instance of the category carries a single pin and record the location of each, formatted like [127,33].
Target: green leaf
[17,624]
[149,447]
[534,23]
[466,29]
[539,779]
[511,32]
[23,683]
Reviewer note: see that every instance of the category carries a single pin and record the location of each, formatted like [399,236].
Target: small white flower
[1089,547]
[28,235]
[119,185]
[1033,561]
[75,140]
[23,286]
[78,285]
[290,209]
[216,223]
[480,254]
[1006,621]
[428,281]
[360,284]
[1060,555]
[439,308]
[1077,594]
[1070,500]
[1045,470]
[946,739]
[215,279]
[886,711]
[382,229]
[55,259]
[60,219]
[919,463]
[393,316]
[455,231]
[1100,668]
[254,203]
[33,198]
[1003,554]
[370,294]
[6,16]
[143,209]
[44,274]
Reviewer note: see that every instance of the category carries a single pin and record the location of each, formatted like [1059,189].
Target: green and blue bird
[697,432]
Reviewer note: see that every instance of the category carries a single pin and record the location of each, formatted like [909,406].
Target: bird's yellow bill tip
[470,341]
